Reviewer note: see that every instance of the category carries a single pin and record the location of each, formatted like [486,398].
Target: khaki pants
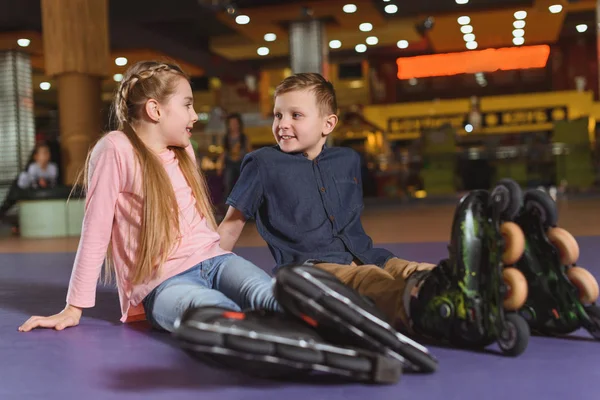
[384,286]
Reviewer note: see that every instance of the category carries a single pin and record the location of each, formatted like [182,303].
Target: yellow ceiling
[492,29]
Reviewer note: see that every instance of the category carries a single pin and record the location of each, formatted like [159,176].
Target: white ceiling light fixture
[121,61]
[464,20]
[519,24]
[350,8]
[23,42]
[471,45]
[360,48]
[335,44]
[518,41]
[262,51]
[391,9]
[469,37]
[466,29]
[117,77]
[365,27]
[402,44]
[45,86]
[372,40]
[555,8]
[518,33]
[270,37]
[242,19]
[461,2]
[581,28]
[521,14]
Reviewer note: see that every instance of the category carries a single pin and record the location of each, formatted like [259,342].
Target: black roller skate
[343,317]
[276,346]
[470,299]
[561,294]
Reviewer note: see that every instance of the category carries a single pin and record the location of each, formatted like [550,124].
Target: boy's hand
[231,228]
[70,316]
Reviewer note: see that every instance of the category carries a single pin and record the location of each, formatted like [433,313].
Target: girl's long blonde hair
[159,229]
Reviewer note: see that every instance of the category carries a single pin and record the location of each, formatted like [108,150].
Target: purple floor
[104,359]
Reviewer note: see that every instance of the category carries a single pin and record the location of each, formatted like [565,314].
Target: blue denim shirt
[306,210]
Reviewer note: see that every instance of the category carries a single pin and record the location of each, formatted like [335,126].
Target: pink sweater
[112,213]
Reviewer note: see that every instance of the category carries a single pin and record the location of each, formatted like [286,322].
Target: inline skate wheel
[585,283]
[542,204]
[514,240]
[514,338]
[565,244]
[517,289]
[507,195]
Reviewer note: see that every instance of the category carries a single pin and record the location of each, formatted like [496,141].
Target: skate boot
[470,299]
[343,317]
[276,346]
[561,295]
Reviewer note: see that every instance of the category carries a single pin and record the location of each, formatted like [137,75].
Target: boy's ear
[330,124]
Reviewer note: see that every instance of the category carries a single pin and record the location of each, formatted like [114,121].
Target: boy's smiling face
[299,124]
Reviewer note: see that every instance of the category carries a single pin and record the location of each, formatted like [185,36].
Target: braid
[123,105]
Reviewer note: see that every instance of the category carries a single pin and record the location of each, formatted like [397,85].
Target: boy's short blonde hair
[323,90]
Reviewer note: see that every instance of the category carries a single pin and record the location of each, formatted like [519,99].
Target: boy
[306,199]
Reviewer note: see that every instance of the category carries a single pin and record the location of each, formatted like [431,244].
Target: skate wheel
[517,289]
[566,245]
[542,205]
[585,283]
[515,337]
[507,195]
[514,242]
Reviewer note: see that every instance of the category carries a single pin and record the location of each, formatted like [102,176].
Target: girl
[42,173]
[148,215]
[235,146]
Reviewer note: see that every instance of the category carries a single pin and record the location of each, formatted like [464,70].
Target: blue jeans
[225,281]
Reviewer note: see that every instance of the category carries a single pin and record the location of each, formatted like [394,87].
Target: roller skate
[561,294]
[343,317]
[276,346]
[471,298]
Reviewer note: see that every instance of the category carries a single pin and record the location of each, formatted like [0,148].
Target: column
[76,54]
[17,133]
[309,51]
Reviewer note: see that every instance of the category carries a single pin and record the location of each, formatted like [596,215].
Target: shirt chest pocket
[349,190]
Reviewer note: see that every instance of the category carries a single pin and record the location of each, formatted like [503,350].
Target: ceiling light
[117,77]
[471,45]
[555,9]
[521,15]
[466,29]
[349,8]
[402,44]
[518,41]
[365,27]
[270,37]
[335,44]
[23,42]
[45,85]
[360,48]
[518,33]
[121,61]
[519,24]
[469,37]
[242,19]
[262,51]
[464,20]
[581,28]
[391,9]
[462,1]
[372,40]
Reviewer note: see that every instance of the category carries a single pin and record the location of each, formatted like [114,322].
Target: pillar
[309,51]
[17,131]
[76,54]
